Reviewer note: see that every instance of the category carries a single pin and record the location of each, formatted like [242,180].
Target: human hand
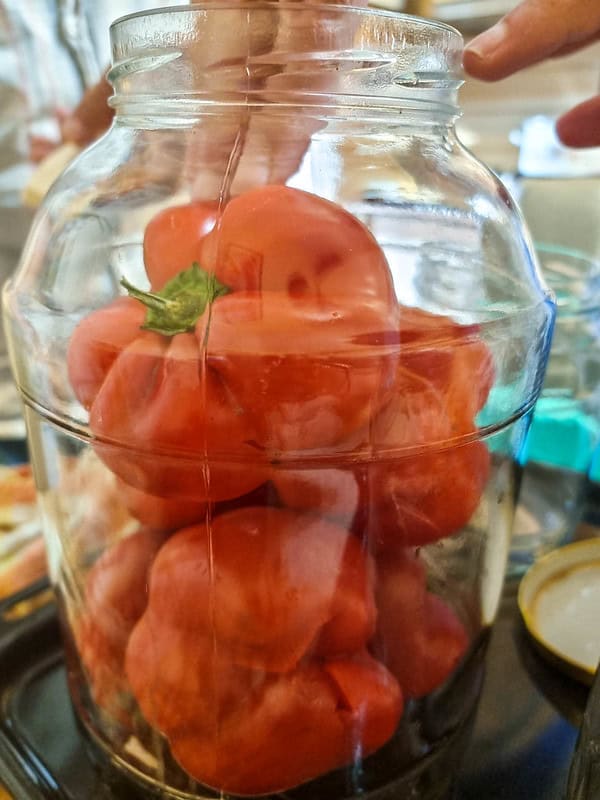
[530,33]
[268,151]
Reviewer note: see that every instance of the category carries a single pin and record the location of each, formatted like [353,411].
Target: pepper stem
[149,299]
[178,306]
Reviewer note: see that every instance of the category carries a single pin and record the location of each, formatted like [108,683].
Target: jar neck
[427,119]
[330,60]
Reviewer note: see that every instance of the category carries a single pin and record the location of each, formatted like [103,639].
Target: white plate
[559,600]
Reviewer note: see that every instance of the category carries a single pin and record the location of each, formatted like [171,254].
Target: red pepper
[193,399]
[270,584]
[419,638]
[418,475]
[115,597]
[173,240]
[272,238]
[279,239]
[251,655]
[302,725]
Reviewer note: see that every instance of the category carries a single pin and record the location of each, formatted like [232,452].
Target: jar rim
[287,53]
[292,5]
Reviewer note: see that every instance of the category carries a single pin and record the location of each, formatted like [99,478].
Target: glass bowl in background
[565,431]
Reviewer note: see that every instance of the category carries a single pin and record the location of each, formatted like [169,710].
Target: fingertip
[580,127]
[475,65]
[479,54]
[485,45]
[566,134]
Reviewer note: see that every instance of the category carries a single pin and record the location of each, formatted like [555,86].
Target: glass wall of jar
[278,335]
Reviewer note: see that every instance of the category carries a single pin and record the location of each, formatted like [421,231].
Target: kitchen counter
[527,723]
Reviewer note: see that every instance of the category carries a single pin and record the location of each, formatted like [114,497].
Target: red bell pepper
[251,655]
[115,596]
[192,390]
[419,637]
[418,475]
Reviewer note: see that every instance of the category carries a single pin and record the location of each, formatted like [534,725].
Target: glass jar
[278,337]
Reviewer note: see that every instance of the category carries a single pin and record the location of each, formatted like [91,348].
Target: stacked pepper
[269,411]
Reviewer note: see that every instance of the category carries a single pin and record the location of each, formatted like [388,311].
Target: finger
[275,49]
[533,31]
[91,118]
[573,48]
[257,147]
[580,127]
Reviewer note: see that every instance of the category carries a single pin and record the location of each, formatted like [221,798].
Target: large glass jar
[278,336]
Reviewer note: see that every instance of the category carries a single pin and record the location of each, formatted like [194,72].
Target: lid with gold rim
[559,600]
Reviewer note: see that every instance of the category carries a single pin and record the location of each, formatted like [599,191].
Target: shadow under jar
[278,337]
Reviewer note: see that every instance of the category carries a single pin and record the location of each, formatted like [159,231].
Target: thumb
[533,31]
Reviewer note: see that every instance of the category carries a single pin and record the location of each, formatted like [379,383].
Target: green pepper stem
[149,299]
[178,306]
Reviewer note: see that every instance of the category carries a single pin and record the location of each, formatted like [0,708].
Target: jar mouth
[288,52]
[295,5]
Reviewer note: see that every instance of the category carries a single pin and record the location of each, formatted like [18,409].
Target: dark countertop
[527,722]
